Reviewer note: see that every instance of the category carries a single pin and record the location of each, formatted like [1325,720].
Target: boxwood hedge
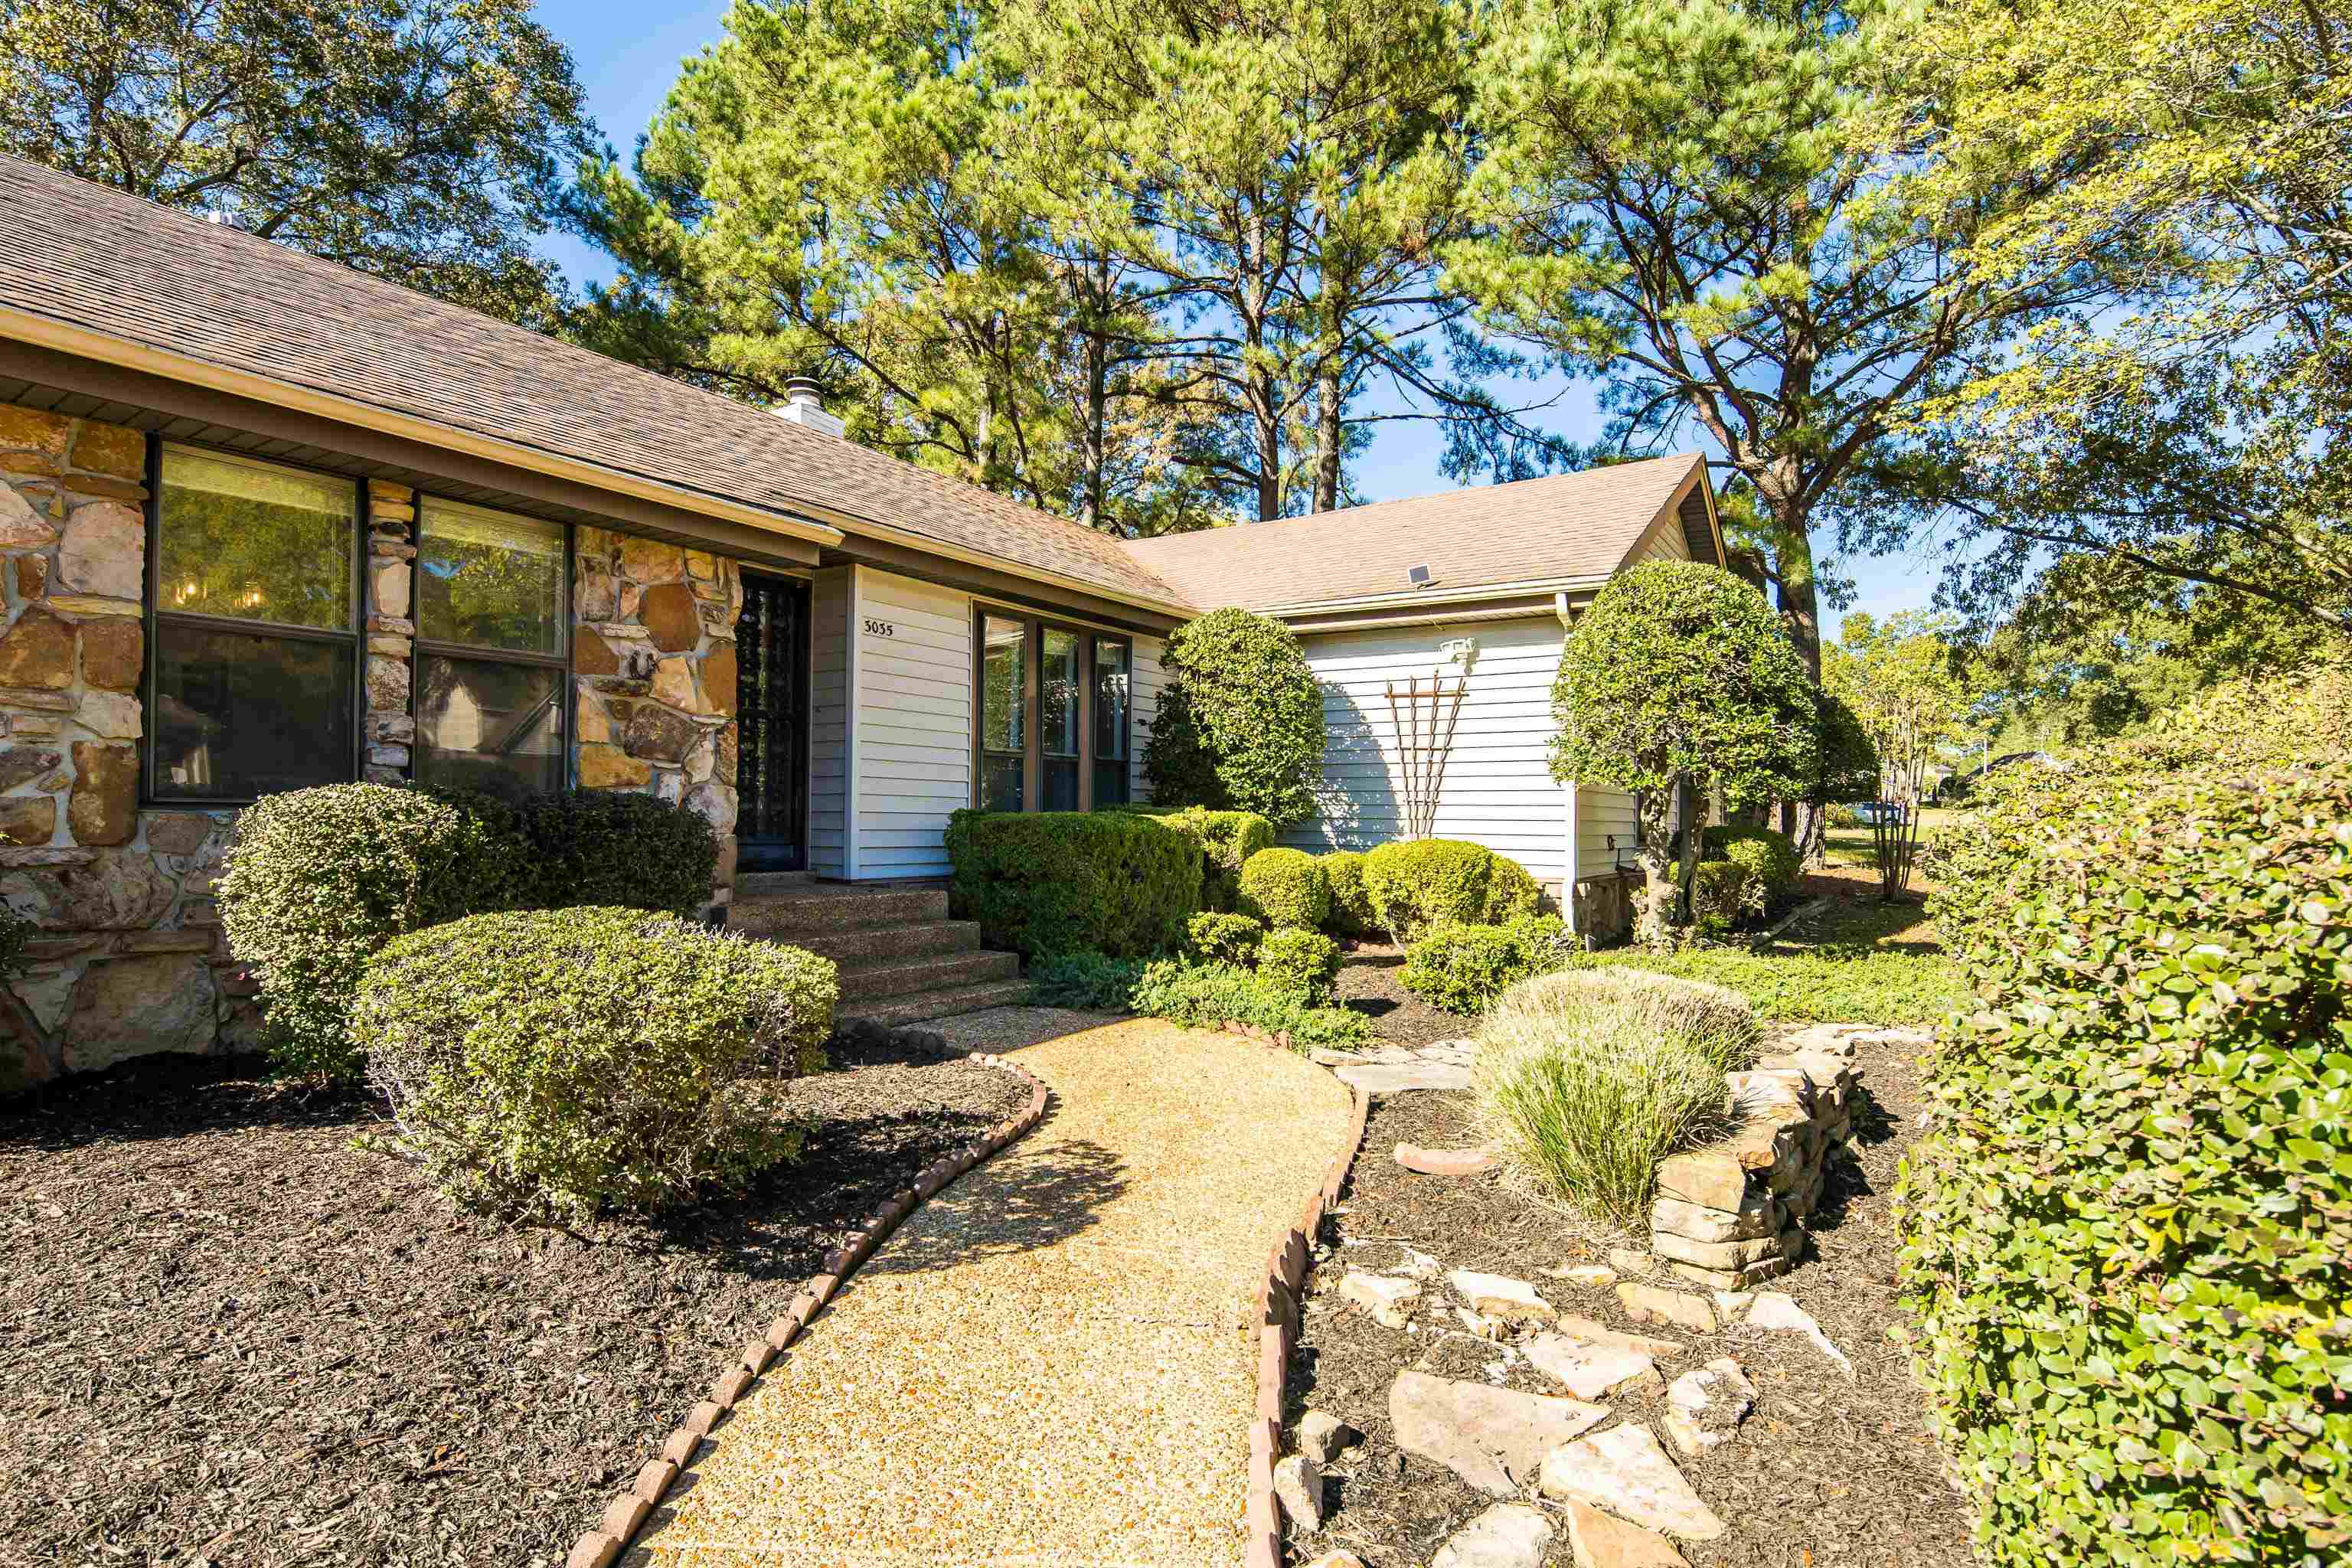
[1284,887]
[1115,882]
[1414,884]
[2125,1226]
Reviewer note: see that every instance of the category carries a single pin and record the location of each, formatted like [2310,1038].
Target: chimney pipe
[804,405]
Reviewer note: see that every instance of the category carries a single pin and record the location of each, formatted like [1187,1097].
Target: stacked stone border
[1278,1306]
[626,1514]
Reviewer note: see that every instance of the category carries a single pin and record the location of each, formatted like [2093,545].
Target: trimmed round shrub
[567,1061]
[1764,853]
[1418,883]
[600,847]
[1352,906]
[1041,883]
[1587,1078]
[1227,840]
[1463,969]
[1284,887]
[1213,937]
[1240,722]
[317,879]
[1300,963]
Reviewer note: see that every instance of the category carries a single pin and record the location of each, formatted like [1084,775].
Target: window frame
[1035,626]
[353,638]
[424,647]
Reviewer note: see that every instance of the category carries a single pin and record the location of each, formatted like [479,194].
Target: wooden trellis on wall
[1424,717]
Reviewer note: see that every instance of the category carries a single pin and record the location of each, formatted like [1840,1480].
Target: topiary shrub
[1284,887]
[317,879]
[1767,856]
[1418,883]
[1463,968]
[1041,883]
[566,1061]
[1205,995]
[1240,722]
[1086,980]
[598,847]
[2124,1229]
[1227,840]
[1300,963]
[1215,938]
[1352,906]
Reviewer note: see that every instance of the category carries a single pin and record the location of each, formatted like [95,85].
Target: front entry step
[895,977]
[900,957]
[922,1005]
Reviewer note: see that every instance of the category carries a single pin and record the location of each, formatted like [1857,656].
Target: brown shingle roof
[89,256]
[1562,528]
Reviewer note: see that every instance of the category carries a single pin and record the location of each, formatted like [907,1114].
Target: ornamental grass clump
[564,1062]
[1587,1078]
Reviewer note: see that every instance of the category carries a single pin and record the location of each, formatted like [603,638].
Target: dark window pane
[496,728]
[253,541]
[1110,700]
[1061,783]
[1000,782]
[1058,712]
[489,579]
[1004,685]
[1110,783]
[239,716]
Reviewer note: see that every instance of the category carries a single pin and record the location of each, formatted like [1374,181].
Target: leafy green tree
[1679,681]
[1899,678]
[427,141]
[1240,725]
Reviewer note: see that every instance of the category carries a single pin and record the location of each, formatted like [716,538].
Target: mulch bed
[233,1337]
[1825,1472]
[1367,982]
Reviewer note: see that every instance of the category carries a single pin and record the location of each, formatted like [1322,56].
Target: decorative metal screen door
[772,709]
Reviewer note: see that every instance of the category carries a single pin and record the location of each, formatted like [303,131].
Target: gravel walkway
[1050,1364]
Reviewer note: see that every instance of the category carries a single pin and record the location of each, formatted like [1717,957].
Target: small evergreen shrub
[1351,907]
[1284,887]
[1240,724]
[1205,996]
[567,1061]
[1415,884]
[1214,937]
[1300,963]
[317,879]
[1041,883]
[600,847]
[1227,840]
[1764,853]
[1085,980]
[1463,968]
[1721,893]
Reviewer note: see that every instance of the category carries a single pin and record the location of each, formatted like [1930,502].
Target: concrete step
[758,884]
[892,978]
[919,1005]
[820,909]
[875,944]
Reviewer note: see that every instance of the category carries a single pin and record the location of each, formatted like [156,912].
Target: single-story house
[266,522]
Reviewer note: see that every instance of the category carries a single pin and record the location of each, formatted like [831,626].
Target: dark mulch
[1367,982]
[230,1334]
[1825,1472]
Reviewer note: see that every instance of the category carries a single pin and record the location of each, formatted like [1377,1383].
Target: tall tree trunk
[1327,432]
[1654,920]
[1092,440]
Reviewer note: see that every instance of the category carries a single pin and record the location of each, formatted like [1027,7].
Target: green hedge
[600,847]
[1284,887]
[1240,723]
[567,1061]
[2126,1230]
[1118,883]
[1766,854]
[1215,938]
[1300,963]
[1352,906]
[1463,968]
[1205,995]
[1227,840]
[1087,980]
[1418,883]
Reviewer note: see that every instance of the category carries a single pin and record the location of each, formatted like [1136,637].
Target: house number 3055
[875,628]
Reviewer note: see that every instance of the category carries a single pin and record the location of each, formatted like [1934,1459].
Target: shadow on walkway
[1021,1201]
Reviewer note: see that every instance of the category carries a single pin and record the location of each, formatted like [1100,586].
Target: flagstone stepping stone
[1624,1471]
[1655,1304]
[1779,1310]
[1322,1435]
[1444,1161]
[1585,1329]
[1387,1299]
[1593,1276]
[1494,1438]
[1298,1487]
[1380,1077]
[1704,1407]
[1508,1535]
[1598,1540]
[1586,1370]
[1512,1302]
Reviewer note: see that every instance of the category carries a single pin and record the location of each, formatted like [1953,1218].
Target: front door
[771,713]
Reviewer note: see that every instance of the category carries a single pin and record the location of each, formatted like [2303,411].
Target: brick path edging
[626,1514]
[1278,1305]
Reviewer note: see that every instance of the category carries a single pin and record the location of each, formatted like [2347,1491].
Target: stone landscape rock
[1586,1329]
[1321,1435]
[1593,1276]
[1338,1560]
[1705,1405]
[1387,1299]
[1494,1438]
[1383,1078]
[1508,1535]
[1298,1487]
[1778,1309]
[1586,1370]
[1631,1260]
[1624,1471]
[1480,1325]
[1655,1304]
[1729,1305]
[1444,1161]
[1597,1540]
[1759,1216]
[138,1006]
[1512,1301]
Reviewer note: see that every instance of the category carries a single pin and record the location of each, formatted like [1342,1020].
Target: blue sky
[627,59]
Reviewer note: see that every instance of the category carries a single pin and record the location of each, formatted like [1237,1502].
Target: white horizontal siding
[1605,830]
[913,723]
[1145,687]
[829,599]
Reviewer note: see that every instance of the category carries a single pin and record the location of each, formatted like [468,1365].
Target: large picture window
[492,598]
[1053,716]
[252,683]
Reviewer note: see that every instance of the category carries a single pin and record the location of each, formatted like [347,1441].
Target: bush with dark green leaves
[1040,883]
[1418,883]
[567,1061]
[1352,906]
[1085,980]
[2125,1225]
[1764,854]
[1240,722]
[1300,962]
[1722,892]
[1205,995]
[317,879]
[1284,887]
[1226,840]
[1463,968]
[603,846]
[1215,938]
